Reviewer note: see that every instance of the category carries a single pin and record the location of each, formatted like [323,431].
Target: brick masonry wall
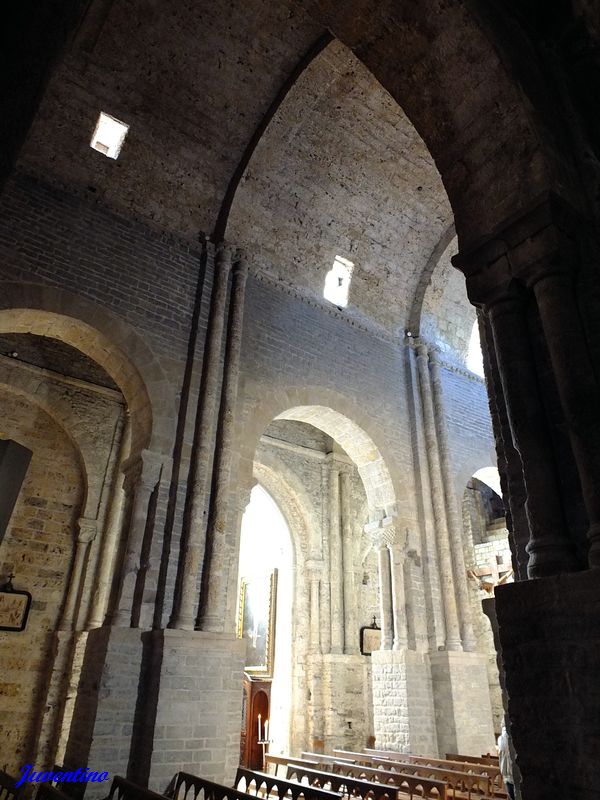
[38,548]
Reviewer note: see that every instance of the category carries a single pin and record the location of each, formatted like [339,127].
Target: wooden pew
[7,787]
[496,787]
[265,785]
[282,761]
[404,786]
[460,785]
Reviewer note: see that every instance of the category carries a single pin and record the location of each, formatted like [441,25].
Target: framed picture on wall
[14,608]
[370,638]
[256,621]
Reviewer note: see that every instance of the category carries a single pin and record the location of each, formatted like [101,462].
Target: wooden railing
[405,786]
[483,759]
[264,785]
[283,761]
[7,786]
[46,791]
[122,789]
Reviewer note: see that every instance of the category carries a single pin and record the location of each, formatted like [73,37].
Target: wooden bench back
[484,759]
[282,761]
[266,785]
[46,791]
[190,787]
[407,785]
[7,786]
[122,789]
[321,757]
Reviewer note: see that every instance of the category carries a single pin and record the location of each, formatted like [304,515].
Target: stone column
[380,536]
[453,640]
[453,516]
[314,569]
[191,558]
[351,644]
[110,541]
[87,533]
[509,460]
[436,623]
[325,578]
[577,387]
[335,561]
[223,550]
[549,548]
[141,478]
[397,559]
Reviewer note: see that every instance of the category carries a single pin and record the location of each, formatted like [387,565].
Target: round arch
[339,418]
[112,343]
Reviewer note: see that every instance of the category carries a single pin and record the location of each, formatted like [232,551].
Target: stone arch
[345,422]
[457,89]
[83,459]
[112,343]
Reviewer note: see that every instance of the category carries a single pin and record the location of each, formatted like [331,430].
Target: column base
[403,708]
[151,703]
[461,696]
[197,721]
[550,635]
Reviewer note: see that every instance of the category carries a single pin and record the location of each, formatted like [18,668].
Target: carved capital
[88,529]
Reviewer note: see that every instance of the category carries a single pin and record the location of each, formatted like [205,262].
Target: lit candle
[259,729]
[267,730]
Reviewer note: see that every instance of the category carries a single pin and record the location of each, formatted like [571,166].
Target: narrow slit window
[337,282]
[109,135]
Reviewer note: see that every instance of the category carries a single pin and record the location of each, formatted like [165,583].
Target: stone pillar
[110,541]
[453,640]
[397,559]
[141,478]
[549,548]
[452,512]
[351,643]
[577,386]
[223,552]
[87,533]
[381,535]
[325,578]
[195,515]
[335,561]
[314,568]
[509,460]
[436,624]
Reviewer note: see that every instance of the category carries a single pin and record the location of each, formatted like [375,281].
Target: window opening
[109,135]
[337,282]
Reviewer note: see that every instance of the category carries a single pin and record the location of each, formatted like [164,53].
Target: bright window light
[474,354]
[109,135]
[337,282]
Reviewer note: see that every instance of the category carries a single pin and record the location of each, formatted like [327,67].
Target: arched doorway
[265,621]
[72,398]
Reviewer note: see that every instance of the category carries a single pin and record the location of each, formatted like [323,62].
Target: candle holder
[264,743]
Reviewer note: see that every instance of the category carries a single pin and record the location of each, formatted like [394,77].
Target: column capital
[88,528]
[315,566]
